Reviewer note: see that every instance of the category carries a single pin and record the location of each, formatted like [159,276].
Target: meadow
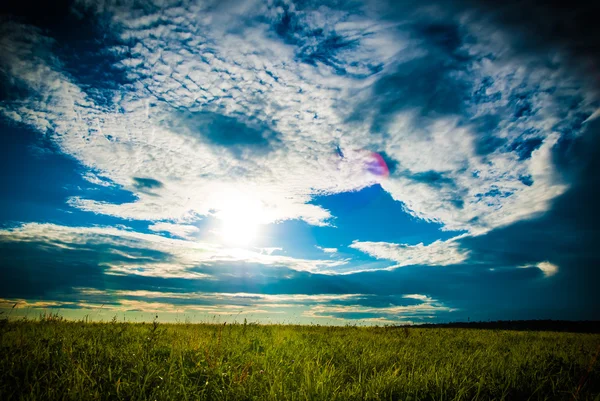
[53,359]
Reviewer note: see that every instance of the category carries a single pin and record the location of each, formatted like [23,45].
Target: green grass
[55,359]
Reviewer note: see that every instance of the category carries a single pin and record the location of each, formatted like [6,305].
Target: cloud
[238,134]
[438,253]
[133,253]
[549,27]
[146,184]
[218,298]
[83,260]
[548,268]
[270,250]
[424,310]
[327,250]
[260,110]
[179,230]
[485,119]
[420,297]
[339,308]
[94,179]
[593,116]
[128,305]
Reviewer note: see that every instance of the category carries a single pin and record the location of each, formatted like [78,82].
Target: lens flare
[372,162]
[377,165]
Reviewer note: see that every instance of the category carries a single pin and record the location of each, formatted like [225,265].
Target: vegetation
[55,359]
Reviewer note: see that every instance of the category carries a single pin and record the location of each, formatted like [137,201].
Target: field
[55,359]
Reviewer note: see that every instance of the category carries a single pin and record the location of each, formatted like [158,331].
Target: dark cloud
[80,45]
[320,44]
[486,142]
[571,226]
[11,89]
[427,84]
[493,193]
[441,82]
[480,293]
[377,301]
[34,269]
[237,133]
[443,37]
[567,235]
[499,280]
[146,184]
[534,28]
[325,50]
[433,178]
[526,180]
[521,105]
[524,147]
[538,27]
[182,299]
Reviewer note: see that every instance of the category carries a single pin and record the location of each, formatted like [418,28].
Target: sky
[312,162]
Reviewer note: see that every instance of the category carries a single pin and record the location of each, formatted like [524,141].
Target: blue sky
[222,160]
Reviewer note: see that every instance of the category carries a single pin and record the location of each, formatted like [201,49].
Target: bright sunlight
[241,216]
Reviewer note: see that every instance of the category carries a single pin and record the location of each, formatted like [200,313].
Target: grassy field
[54,359]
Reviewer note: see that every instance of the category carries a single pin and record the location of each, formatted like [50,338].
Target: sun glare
[237,231]
[241,217]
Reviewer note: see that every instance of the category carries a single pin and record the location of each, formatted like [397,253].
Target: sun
[240,219]
[238,230]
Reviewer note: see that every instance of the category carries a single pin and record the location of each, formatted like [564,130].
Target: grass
[53,359]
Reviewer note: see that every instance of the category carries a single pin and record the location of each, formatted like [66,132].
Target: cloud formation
[548,268]
[183,115]
[438,253]
[127,252]
[178,230]
[336,309]
[259,110]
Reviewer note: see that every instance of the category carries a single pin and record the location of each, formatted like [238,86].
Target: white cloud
[438,253]
[307,307]
[327,250]
[183,58]
[271,250]
[94,179]
[547,268]
[184,254]
[142,305]
[593,116]
[179,230]
[217,297]
[420,297]
[427,307]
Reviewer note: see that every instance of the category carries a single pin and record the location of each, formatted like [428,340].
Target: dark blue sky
[370,162]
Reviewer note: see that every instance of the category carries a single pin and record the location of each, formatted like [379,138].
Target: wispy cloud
[549,269]
[256,112]
[179,230]
[295,97]
[438,253]
[153,255]
[337,308]
[327,250]
[402,313]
